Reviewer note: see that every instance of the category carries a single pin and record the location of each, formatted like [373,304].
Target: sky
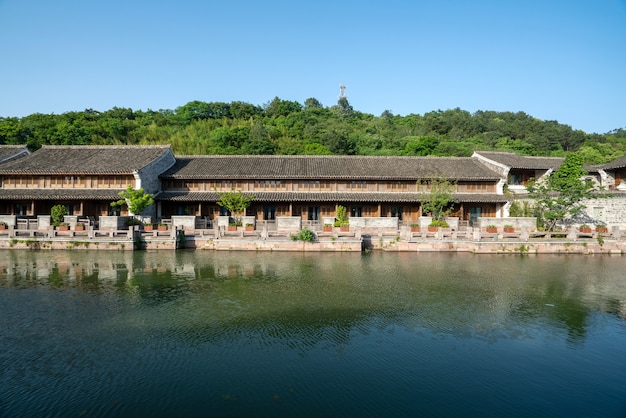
[562,60]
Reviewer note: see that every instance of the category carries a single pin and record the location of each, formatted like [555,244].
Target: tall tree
[560,195]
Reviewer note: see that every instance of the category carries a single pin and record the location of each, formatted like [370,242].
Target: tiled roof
[60,194]
[615,164]
[85,159]
[10,152]
[326,167]
[324,197]
[518,161]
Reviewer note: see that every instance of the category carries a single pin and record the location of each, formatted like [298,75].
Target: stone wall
[453,222]
[288,222]
[611,211]
[529,223]
[185,222]
[374,222]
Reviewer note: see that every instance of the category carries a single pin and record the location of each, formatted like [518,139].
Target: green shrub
[440,223]
[304,235]
[57,213]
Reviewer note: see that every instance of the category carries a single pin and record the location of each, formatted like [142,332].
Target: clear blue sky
[561,60]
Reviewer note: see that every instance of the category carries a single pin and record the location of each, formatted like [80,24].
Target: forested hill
[289,127]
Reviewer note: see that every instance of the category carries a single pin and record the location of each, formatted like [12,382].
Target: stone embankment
[473,240]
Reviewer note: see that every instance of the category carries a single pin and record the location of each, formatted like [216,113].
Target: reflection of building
[88,178]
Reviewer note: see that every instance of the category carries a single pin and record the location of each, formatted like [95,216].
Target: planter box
[62,228]
[162,227]
[602,230]
[148,228]
[344,228]
[328,229]
[492,230]
[249,228]
[509,230]
[433,228]
[79,227]
[585,230]
[232,227]
[415,229]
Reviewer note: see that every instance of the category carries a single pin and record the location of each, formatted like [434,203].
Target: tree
[136,200]
[560,195]
[234,201]
[57,214]
[312,103]
[438,201]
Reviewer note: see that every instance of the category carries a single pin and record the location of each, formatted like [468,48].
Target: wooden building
[86,179]
[312,187]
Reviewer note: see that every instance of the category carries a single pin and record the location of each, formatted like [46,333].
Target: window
[399,186]
[358,185]
[515,179]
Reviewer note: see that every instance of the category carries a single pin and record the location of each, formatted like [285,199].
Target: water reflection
[465,295]
[249,334]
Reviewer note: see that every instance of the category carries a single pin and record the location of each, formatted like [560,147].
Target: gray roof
[60,194]
[615,164]
[512,160]
[85,159]
[11,152]
[382,197]
[326,167]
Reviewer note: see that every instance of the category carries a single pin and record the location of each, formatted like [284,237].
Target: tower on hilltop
[342,91]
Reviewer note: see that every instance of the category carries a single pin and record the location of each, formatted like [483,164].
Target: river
[200,333]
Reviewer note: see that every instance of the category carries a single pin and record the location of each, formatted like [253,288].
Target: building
[86,179]
[312,187]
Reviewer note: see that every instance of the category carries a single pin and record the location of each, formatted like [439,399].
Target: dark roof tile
[382,197]
[60,194]
[327,167]
[522,162]
[87,159]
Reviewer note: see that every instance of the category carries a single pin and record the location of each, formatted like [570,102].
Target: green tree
[137,200]
[438,201]
[57,214]
[560,195]
[235,202]
[312,103]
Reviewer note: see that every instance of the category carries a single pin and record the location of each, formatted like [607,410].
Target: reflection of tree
[305,299]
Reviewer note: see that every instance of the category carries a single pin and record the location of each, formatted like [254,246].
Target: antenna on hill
[342,91]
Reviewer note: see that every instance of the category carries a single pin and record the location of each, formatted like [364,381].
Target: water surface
[278,334]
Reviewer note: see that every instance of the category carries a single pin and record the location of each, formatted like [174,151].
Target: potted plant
[435,224]
[148,227]
[249,227]
[328,227]
[509,228]
[3,225]
[341,219]
[63,226]
[415,227]
[492,229]
[57,213]
[162,227]
[79,227]
[602,229]
[233,225]
[585,229]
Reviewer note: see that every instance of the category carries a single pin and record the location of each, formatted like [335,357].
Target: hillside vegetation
[288,127]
